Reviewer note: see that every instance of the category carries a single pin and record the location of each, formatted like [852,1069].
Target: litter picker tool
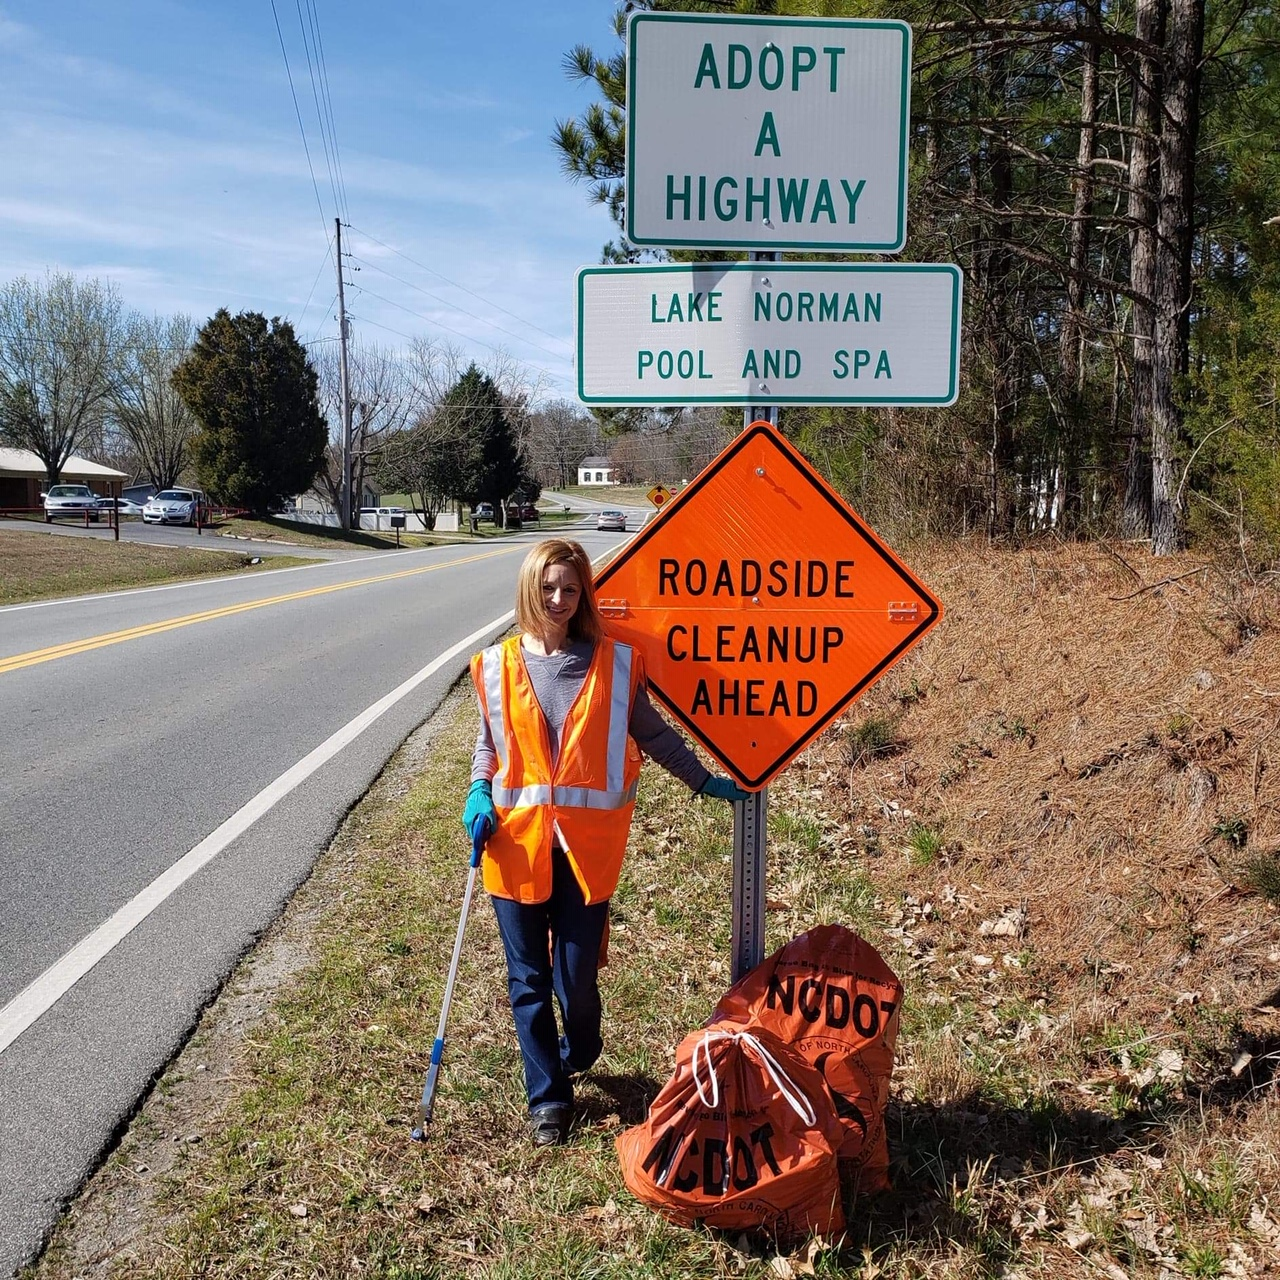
[479,834]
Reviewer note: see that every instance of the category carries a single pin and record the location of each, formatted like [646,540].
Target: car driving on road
[70,500]
[612,520]
[173,506]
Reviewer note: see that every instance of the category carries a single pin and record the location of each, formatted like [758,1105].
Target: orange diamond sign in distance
[762,604]
[659,495]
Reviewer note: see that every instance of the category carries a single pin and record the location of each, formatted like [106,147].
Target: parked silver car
[70,500]
[173,506]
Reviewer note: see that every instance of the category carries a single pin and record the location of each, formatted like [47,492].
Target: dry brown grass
[1049,851]
[1086,953]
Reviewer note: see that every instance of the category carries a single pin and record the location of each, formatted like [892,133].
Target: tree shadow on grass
[940,1155]
[960,1170]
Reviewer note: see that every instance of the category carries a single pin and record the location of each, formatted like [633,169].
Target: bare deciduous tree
[145,408]
[386,397]
[560,435]
[58,345]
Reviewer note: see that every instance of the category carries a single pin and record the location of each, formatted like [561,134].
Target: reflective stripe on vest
[491,660]
[571,797]
[619,706]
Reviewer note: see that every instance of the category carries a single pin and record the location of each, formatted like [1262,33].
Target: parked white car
[70,500]
[173,506]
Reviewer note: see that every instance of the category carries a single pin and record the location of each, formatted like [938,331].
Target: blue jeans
[554,946]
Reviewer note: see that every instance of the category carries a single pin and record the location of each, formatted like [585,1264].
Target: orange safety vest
[585,797]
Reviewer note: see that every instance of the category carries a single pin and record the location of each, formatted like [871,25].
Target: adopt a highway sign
[769,333]
[767,133]
[762,605]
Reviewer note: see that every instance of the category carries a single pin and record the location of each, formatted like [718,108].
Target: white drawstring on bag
[790,1091]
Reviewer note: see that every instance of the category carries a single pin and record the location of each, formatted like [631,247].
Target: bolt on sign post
[767,133]
[769,332]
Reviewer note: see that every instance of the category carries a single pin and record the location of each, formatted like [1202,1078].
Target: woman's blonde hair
[531,612]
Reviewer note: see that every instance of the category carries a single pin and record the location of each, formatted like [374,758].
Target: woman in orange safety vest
[564,716]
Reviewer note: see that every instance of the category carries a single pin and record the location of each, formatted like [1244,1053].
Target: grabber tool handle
[479,834]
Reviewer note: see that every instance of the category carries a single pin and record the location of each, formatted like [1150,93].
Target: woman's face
[561,592]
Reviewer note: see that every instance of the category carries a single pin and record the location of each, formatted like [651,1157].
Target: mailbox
[397,522]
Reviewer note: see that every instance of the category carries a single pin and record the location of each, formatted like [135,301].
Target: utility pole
[344,504]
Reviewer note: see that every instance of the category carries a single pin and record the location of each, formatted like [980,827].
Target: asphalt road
[137,728]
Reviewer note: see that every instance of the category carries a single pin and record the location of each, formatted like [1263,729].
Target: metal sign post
[751,816]
[750,822]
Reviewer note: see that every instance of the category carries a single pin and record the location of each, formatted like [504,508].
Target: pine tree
[253,391]
[473,409]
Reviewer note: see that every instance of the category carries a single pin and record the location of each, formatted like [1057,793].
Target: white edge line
[41,995]
[204,581]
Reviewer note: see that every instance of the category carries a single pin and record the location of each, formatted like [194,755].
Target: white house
[595,471]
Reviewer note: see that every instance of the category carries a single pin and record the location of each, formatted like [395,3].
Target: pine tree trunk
[1174,231]
[1144,178]
[1002,512]
[1072,337]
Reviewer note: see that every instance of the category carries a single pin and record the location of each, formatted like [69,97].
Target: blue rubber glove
[723,789]
[479,808]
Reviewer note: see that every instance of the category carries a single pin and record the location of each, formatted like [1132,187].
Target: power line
[327,316]
[315,186]
[413,337]
[328,101]
[478,296]
[315,97]
[324,262]
[558,355]
[441,325]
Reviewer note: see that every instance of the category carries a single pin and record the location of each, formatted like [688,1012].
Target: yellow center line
[36,656]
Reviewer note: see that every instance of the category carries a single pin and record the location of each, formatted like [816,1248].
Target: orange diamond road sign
[659,495]
[762,604]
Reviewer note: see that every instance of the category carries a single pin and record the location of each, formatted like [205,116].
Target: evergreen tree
[473,409]
[253,391]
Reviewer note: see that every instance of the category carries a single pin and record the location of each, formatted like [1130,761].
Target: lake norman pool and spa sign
[767,133]
[769,333]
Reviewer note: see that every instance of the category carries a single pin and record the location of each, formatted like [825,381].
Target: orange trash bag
[830,996]
[742,1136]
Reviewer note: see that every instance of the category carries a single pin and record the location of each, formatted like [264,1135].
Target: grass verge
[607,495]
[39,567]
[286,532]
[1087,1073]
[278,529]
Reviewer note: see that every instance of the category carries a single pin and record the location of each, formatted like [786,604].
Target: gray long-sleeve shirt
[556,680]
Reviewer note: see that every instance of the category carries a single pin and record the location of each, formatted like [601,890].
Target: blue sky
[155,143]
